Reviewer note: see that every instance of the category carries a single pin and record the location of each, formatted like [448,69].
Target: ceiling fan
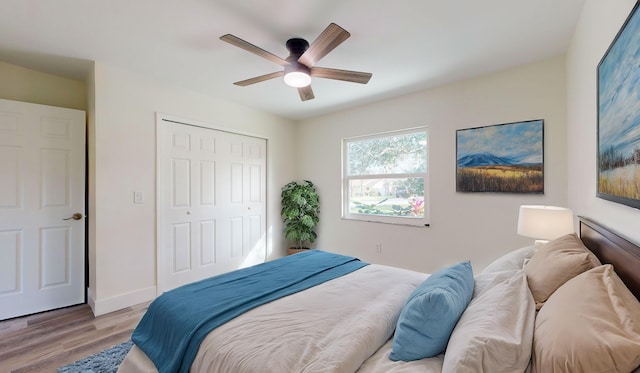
[299,66]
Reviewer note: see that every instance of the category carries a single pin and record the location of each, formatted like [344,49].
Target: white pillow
[495,332]
[511,261]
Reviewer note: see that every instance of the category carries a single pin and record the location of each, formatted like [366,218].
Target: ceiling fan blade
[346,75]
[258,79]
[306,93]
[330,38]
[234,40]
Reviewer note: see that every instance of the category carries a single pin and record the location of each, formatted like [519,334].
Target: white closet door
[211,202]
[42,186]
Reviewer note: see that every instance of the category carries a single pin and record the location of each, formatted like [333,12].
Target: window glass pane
[396,154]
[387,197]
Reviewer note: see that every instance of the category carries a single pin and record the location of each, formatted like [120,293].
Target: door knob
[76,216]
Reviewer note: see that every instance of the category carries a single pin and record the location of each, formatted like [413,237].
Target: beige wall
[473,226]
[598,25]
[22,84]
[123,244]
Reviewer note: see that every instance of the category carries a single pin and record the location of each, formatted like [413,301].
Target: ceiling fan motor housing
[296,74]
[296,47]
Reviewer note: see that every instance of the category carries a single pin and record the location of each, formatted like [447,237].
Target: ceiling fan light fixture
[297,79]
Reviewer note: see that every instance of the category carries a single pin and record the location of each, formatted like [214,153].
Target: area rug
[106,361]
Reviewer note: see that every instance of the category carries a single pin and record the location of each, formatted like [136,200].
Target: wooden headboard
[611,248]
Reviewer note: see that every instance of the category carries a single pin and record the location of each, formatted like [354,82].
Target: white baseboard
[118,302]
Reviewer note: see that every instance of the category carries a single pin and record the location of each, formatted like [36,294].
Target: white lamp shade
[544,222]
[297,79]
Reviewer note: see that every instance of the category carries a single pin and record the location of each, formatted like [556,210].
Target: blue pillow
[431,312]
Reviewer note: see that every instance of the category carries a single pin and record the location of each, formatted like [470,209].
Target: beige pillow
[590,324]
[556,262]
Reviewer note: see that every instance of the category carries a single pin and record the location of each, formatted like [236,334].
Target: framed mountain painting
[619,117]
[501,158]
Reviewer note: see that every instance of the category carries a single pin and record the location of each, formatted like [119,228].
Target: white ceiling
[408,45]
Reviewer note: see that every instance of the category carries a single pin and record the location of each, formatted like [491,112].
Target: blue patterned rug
[106,361]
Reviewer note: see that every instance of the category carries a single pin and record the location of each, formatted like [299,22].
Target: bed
[515,318]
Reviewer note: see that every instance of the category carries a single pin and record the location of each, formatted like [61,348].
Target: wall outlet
[379,248]
[138,197]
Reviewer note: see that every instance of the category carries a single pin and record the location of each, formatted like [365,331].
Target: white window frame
[402,220]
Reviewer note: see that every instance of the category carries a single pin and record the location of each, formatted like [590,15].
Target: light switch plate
[138,197]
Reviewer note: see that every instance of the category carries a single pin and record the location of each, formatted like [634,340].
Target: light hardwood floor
[49,340]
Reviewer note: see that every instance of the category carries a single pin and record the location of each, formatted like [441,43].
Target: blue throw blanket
[176,322]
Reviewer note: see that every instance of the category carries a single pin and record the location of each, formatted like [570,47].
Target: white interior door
[211,202]
[42,185]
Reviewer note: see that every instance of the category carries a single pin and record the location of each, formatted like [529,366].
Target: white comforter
[333,327]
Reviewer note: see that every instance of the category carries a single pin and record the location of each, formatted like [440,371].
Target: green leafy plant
[300,212]
[370,208]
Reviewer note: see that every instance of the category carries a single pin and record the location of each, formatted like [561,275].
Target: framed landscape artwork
[506,158]
[619,116]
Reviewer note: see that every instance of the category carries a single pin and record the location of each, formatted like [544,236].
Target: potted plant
[300,213]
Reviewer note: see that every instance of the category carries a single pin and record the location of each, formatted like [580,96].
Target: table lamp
[544,223]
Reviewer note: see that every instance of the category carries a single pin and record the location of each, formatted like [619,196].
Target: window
[384,177]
